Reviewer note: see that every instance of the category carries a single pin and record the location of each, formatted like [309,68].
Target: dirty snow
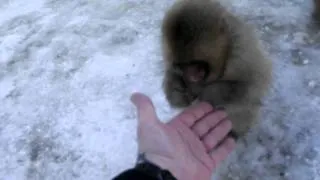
[68,67]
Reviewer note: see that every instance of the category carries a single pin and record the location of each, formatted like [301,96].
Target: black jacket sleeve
[134,174]
[145,171]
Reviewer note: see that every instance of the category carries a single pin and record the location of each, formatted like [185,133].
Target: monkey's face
[187,81]
[195,57]
[194,72]
[200,60]
[202,63]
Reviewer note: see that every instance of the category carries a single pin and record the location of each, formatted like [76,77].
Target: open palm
[191,145]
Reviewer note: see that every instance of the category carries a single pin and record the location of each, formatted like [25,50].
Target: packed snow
[68,68]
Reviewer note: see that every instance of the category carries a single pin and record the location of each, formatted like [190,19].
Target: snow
[67,69]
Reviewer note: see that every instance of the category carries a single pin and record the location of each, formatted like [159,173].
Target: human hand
[190,146]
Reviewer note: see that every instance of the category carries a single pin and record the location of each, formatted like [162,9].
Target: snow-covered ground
[68,67]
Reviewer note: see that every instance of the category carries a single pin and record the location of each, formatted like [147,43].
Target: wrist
[155,168]
[181,171]
[178,170]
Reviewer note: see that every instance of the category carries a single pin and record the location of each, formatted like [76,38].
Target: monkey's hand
[243,117]
[223,93]
[179,99]
[176,92]
[217,94]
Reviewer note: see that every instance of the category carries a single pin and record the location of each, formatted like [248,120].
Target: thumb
[145,108]
[150,132]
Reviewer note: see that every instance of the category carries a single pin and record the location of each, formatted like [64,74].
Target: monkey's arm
[244,111]
[176,91]
[243,117]
[239,102]
[222,93]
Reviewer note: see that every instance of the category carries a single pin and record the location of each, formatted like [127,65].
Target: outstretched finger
[145,108]
[222,152]
[194,113]
[150,129]
[210,121]
[216,135]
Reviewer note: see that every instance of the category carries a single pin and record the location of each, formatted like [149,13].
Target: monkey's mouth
[196,71]
[193,72]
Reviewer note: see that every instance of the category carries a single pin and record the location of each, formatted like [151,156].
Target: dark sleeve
[145,171]
[133,174]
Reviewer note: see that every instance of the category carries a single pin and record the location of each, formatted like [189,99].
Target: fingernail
[134,98]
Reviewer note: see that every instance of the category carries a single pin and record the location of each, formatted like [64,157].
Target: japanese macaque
[316,12]
[211,55]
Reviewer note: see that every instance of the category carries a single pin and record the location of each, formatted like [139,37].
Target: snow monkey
[211,55]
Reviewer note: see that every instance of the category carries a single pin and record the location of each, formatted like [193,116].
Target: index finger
[194,113]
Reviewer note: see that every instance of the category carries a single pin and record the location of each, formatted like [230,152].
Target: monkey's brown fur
[202,30]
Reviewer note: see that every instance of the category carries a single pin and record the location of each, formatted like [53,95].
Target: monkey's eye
[194,71]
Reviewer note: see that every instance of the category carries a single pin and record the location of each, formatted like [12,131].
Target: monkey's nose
[194,74]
